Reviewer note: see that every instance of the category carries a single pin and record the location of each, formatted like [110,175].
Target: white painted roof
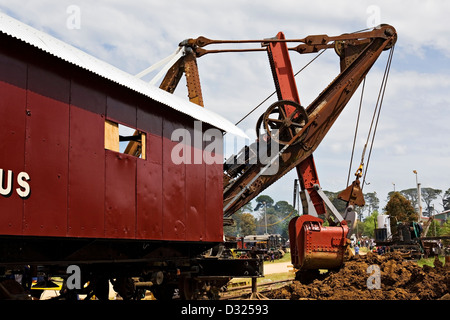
[66,52]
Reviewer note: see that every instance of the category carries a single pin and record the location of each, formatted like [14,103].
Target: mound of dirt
[400,280]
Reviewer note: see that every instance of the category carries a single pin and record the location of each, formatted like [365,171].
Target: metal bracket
[349,217]
[307,204]
[328,203]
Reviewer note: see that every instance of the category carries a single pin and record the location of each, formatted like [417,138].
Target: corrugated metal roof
[66,52]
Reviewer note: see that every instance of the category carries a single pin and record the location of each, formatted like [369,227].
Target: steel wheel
[283,123]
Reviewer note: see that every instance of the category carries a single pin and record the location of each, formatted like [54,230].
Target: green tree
[243,225]
[264,205]
[359,229]
[372,202]
[411,195]
[445,231]
[339,204]
[370,224]
[435,229]
[275,215]
[285,212]
[446,200]
[283,207]
[263,200]
[428,196]
[247,224]
[269,218]
[235,228]
[400,209]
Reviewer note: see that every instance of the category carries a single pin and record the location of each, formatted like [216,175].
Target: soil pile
[400,280]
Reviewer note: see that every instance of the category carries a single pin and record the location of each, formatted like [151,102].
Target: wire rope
[279,221]
[377,112]
[356,131]
[270,96]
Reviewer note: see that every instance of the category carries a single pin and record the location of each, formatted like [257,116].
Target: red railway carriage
[55,122]
[68,191]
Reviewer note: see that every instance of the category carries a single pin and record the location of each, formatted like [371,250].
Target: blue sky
[413,132]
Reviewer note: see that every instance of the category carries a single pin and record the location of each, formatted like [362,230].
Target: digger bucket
[314,246]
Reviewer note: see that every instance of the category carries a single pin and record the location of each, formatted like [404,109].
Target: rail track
[245,292]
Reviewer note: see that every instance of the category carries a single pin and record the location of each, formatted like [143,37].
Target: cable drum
[283,120]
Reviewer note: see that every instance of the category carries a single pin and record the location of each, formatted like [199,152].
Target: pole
[419,197]
[265,215]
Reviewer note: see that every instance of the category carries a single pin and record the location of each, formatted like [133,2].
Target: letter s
[22,179]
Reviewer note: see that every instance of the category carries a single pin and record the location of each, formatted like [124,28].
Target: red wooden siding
[46,162]
[12,133]
[121,111]
[214,196]
[52,122]
[120,195]
[174,188]
[195,191]
[86,162]
[149,222]
[86,174]
[149,185]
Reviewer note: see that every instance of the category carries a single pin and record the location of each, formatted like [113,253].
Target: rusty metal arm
[186,65]
[357,51]
[310,44]
[194,48]
[357,57]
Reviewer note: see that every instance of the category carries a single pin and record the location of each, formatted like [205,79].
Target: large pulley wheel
[283,120]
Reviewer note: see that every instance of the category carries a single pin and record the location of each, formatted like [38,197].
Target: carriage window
[124,139]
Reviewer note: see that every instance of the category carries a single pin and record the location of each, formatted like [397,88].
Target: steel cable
[356,131]
[378,106]
[262,102]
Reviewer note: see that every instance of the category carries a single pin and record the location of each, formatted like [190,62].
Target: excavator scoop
[353,194]
[314,246]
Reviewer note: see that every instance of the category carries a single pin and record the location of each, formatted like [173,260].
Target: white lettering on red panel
[7,183]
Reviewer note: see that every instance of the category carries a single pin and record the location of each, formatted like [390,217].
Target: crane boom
[357,56]
[244,175]
[292,133]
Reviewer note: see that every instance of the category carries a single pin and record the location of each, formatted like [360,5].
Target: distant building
[443,216]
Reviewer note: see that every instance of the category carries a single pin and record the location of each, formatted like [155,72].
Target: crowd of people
[369,244]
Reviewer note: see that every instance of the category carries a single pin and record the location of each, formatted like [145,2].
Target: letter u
[9,181]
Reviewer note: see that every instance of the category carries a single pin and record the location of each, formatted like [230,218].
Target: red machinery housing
[300,131]
[314,246]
